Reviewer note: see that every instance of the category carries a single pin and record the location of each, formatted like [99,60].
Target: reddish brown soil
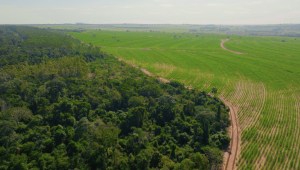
[231,155]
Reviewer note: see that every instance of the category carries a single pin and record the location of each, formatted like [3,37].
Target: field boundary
[145,71]
[230,156]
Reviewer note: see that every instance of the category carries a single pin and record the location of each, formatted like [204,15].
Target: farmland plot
[262,80]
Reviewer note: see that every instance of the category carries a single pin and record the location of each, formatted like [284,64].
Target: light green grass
[263,82]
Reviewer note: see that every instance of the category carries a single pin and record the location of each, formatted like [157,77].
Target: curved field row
[271,132]
[242,93]
[263,83]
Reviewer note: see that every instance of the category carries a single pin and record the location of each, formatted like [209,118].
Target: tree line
[67,105]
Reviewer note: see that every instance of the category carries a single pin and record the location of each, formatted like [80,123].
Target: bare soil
[231,155]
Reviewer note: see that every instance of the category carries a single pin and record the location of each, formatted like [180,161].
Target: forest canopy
[67,105]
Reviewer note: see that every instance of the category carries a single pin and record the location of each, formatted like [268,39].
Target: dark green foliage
[189,108]
[90,111]
[219,140]
[33,45]
[165,110]
[214,90]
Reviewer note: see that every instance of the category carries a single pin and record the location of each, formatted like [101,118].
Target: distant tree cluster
[33,45]
[66,105]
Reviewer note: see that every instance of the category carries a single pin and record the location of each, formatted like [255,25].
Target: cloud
[150,11]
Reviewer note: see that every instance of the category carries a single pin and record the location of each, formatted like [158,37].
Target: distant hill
[291,30]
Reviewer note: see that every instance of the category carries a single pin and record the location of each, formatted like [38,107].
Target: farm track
[145,71]
[250,101]
[223,46]
[232,154]
[230,157]
[263,84]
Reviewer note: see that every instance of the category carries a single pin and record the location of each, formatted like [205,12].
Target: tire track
[223,46]
[230,163]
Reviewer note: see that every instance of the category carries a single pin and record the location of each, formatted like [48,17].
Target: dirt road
[145,71]
[231,155]
[223,46]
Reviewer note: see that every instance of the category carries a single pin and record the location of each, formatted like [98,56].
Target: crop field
[262,81]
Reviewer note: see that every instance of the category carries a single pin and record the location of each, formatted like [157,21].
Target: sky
[237,12]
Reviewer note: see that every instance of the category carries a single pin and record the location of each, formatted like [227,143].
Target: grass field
[263,82]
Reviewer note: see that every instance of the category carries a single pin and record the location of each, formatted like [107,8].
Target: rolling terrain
[259,76]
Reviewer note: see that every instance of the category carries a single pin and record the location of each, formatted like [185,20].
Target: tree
[166,163]
[46,161]
[136,101]
[7,132]
[155,160]
[19,162]
[219,140]
[143,159]
[20,114]
[150,90]
[200,161]
[59,134]
[205,132]
[214,156]
[186,164]
[189,108]
[60,112]
[214,90]
[61,158]
[137,116]
[81,109]
[165,111]
[218,114]
[55,89]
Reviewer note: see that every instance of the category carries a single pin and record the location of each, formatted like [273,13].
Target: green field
[263,82]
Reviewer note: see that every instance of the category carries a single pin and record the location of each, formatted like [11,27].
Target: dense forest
[66,105]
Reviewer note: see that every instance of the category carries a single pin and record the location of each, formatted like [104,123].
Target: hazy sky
[150,11]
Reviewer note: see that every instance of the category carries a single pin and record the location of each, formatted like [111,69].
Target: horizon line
[82,23]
